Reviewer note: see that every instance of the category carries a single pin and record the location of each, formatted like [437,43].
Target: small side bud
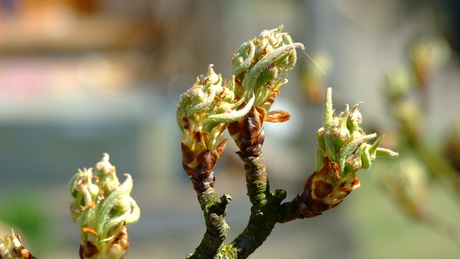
[343,150]
[355,119]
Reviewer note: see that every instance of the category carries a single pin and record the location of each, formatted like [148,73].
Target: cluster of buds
[102,208]
[242,104]
[11,248]
[211,105]
[343,149]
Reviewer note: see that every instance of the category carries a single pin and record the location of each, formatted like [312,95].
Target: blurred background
[82,77]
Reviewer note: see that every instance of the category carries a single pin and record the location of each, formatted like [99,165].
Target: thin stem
[264,207]
[264,210]
[288,211]
[214,212]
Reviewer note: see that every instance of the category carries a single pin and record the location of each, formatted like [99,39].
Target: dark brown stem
[288,211]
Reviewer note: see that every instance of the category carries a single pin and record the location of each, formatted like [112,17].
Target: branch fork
[242,105]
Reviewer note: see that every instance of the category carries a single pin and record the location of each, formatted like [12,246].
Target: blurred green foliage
[26,212]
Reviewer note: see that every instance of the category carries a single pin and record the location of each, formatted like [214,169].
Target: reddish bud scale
[324,190]
[116,250]
[187,156]
[88,250]
[199,164]
[248,133]
[277,116]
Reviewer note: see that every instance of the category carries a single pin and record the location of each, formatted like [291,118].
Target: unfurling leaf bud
[203,114]
[344,137]
[262,64]
[102,207]
[355,118]
[207,108]
[342,151]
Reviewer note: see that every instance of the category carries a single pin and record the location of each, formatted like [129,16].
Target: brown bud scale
[324,190]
